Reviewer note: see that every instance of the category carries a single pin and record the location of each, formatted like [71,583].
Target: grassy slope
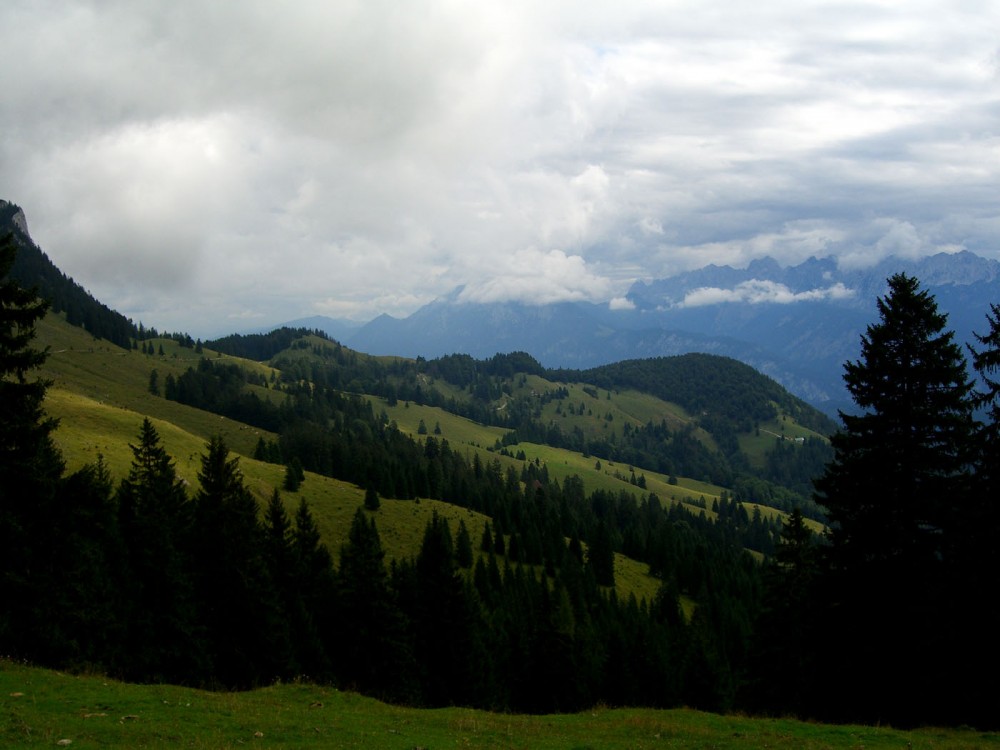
[40,708]
[100,395]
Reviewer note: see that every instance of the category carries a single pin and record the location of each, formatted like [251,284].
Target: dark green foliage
[372,501]
[893,584]
[296,625]
[897,462]
[294,473]
[317,588]
[720,386]
[30,465]
[88,569]
[371,646]
[986,361]
[156,524]
[601,557]
[784,665]
[463,547]
[239,609]
[261,346]
[978,554]
[447,630]
[220,388]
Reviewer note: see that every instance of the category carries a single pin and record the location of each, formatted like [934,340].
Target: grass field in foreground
[43,708]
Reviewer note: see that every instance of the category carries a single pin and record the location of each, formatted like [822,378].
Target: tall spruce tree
[317,584]
[247,639]
[980,554]
[371,656]
[783,663]
[894,492]
[30,464]
[446,627]
[986,361]
[155,519]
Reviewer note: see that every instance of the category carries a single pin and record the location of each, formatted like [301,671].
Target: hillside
[489,533]
[100,395]
[515,492]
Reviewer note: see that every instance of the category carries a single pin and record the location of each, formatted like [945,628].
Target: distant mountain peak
[16,216]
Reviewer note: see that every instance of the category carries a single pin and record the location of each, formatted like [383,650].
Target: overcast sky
[215,166]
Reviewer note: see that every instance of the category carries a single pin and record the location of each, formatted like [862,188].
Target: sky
[225,166]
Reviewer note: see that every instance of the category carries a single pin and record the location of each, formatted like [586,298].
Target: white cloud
[537,277]
[757,291]
[187,162]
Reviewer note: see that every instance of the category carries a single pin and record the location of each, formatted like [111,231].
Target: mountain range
[797,324]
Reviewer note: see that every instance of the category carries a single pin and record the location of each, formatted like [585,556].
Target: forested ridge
[726,397]
[149,579]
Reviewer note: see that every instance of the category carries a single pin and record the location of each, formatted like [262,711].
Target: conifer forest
[868,597]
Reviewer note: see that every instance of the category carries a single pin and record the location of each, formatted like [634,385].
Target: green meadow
[40,708]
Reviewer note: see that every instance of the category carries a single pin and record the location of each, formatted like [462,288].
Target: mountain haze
[798,324]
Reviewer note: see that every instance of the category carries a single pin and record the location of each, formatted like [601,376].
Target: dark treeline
[150,583]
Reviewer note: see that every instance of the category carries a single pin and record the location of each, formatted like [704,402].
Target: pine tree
[897,463]
[307,653]
[986,361]
[486,542]
[372,501]
[784,659]
[154,515]
[446,631]
[979,552]
[87,572]
[238,605]
[893,491]
[601,556]
[371,655]
[295,475]
[316,578]
[30,464]
[463,546]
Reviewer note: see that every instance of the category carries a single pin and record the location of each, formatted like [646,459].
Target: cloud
[187,162]
[538,278]
[621,303]
[756,292]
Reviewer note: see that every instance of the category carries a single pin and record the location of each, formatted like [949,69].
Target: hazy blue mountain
[824,310]
[798,324]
